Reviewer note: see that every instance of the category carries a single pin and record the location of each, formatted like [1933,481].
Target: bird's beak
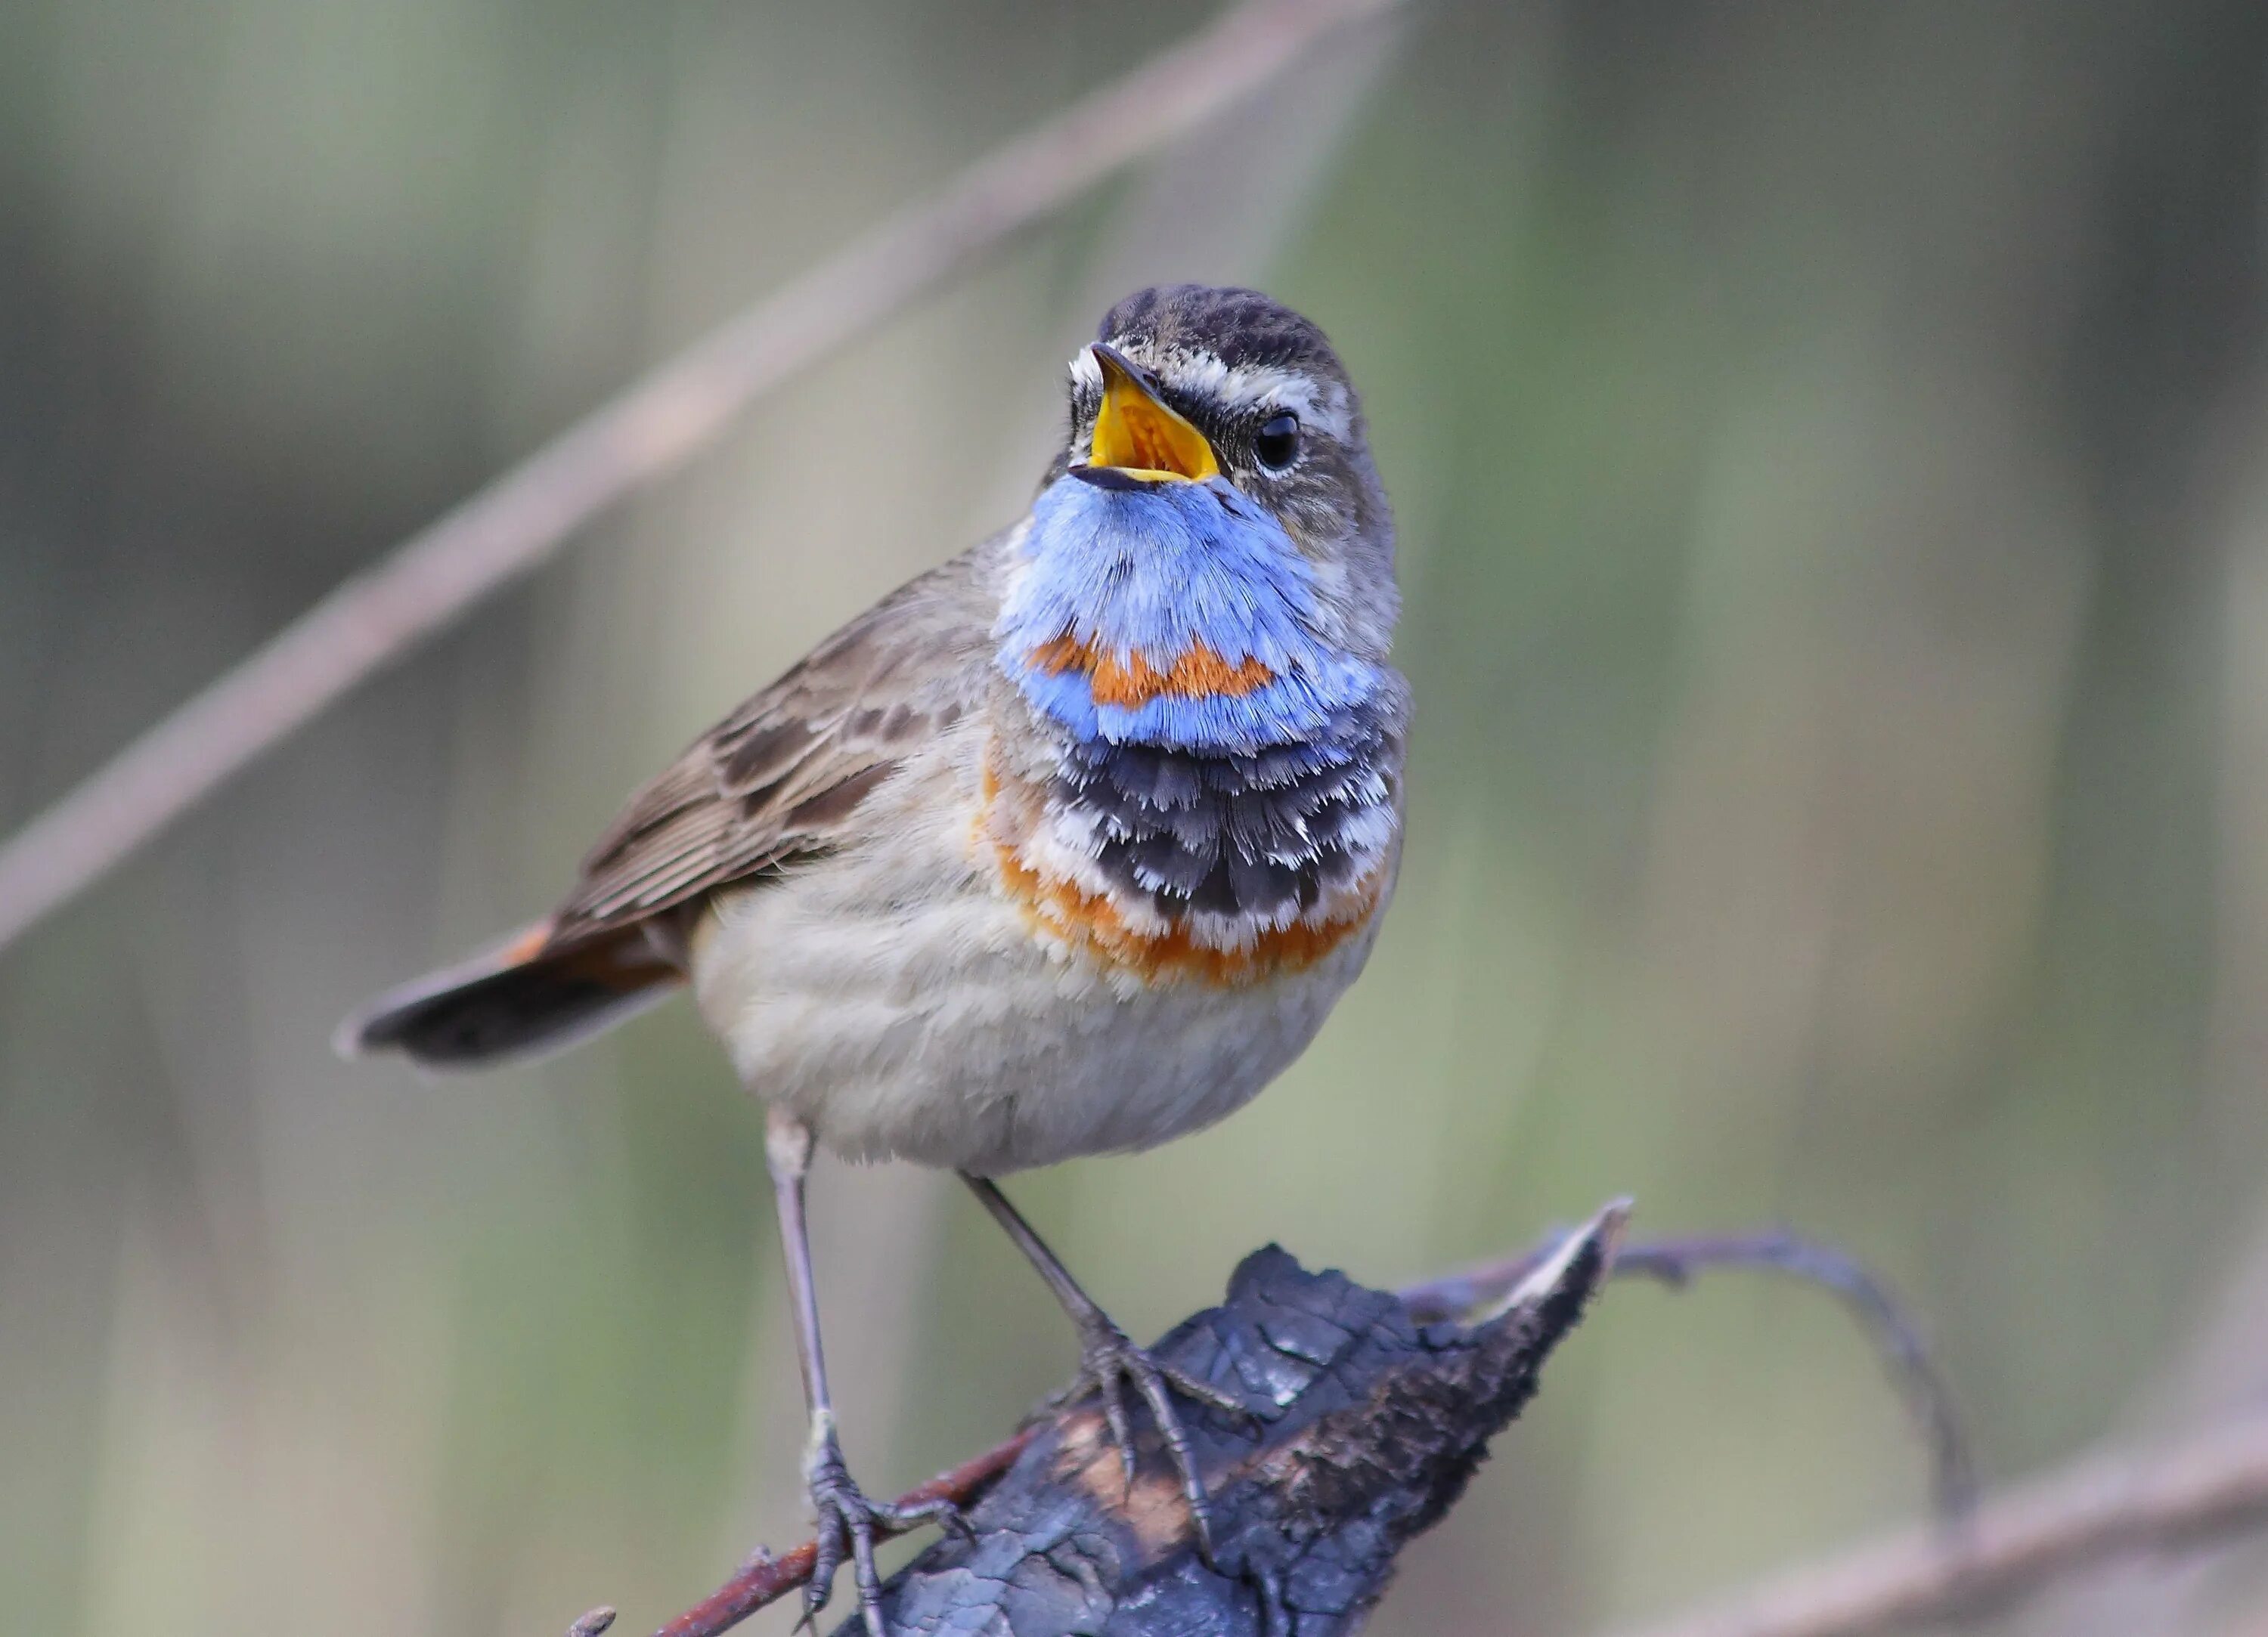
[1137,435]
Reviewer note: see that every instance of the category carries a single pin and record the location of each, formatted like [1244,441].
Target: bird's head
[1189,384]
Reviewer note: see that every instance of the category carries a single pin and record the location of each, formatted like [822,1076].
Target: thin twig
[519,519]
[1674,1262]
[2178,1497]
[764,1578]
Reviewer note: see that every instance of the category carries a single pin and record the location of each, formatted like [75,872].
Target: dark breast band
[1255,835]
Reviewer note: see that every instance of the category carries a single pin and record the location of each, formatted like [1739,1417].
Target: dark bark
[1364,1425]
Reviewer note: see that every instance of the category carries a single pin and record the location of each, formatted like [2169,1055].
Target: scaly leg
[1109,1361]
[848,1521]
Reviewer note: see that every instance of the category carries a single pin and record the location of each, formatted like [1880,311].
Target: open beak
[1138,436]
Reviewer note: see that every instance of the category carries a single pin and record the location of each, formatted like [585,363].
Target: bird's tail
[523,999]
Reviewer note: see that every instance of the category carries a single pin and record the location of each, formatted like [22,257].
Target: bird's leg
[848,1522]
[1109,1361]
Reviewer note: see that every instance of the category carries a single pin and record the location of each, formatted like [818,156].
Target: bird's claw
[850,1523]
[1109,1362]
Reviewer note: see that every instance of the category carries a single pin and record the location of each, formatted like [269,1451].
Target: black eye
[1277,441]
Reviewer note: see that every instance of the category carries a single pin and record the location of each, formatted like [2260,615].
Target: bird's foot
[1108,1363]
[850,1523]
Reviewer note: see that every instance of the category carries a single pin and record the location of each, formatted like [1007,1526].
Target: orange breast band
[1090,921]
[1197,673]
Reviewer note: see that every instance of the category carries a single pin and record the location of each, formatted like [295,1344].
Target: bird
[1065,848]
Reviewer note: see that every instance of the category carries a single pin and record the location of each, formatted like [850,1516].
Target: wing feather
[784,777]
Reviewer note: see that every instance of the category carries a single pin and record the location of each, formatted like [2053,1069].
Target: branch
[1359,1429]
[1332,1373]
[430,580]
[2177,1498]
[1474,1298]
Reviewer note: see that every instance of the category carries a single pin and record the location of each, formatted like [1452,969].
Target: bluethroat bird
[1065,848]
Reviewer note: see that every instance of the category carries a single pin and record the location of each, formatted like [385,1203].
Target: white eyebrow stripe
[1321,404]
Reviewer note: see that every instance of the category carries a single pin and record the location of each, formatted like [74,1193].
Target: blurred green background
[1829,444]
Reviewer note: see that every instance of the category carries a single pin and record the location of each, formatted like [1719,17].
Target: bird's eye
[1277,441]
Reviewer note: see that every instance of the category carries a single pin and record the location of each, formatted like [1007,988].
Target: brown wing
[782,776]
[781,779]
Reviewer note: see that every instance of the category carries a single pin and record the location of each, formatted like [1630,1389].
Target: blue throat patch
[1154,573]
[1235,791]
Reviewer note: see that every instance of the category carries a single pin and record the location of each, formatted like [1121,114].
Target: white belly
[895,999]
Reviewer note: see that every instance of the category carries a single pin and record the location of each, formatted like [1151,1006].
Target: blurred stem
[503,530]
[2182,1496]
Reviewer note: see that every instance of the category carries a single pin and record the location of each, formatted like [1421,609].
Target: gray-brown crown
[1240,327]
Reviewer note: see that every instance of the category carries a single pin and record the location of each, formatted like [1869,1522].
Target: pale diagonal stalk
[2178,1497]
[502,531]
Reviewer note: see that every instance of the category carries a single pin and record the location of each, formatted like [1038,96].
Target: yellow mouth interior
[1140,435]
